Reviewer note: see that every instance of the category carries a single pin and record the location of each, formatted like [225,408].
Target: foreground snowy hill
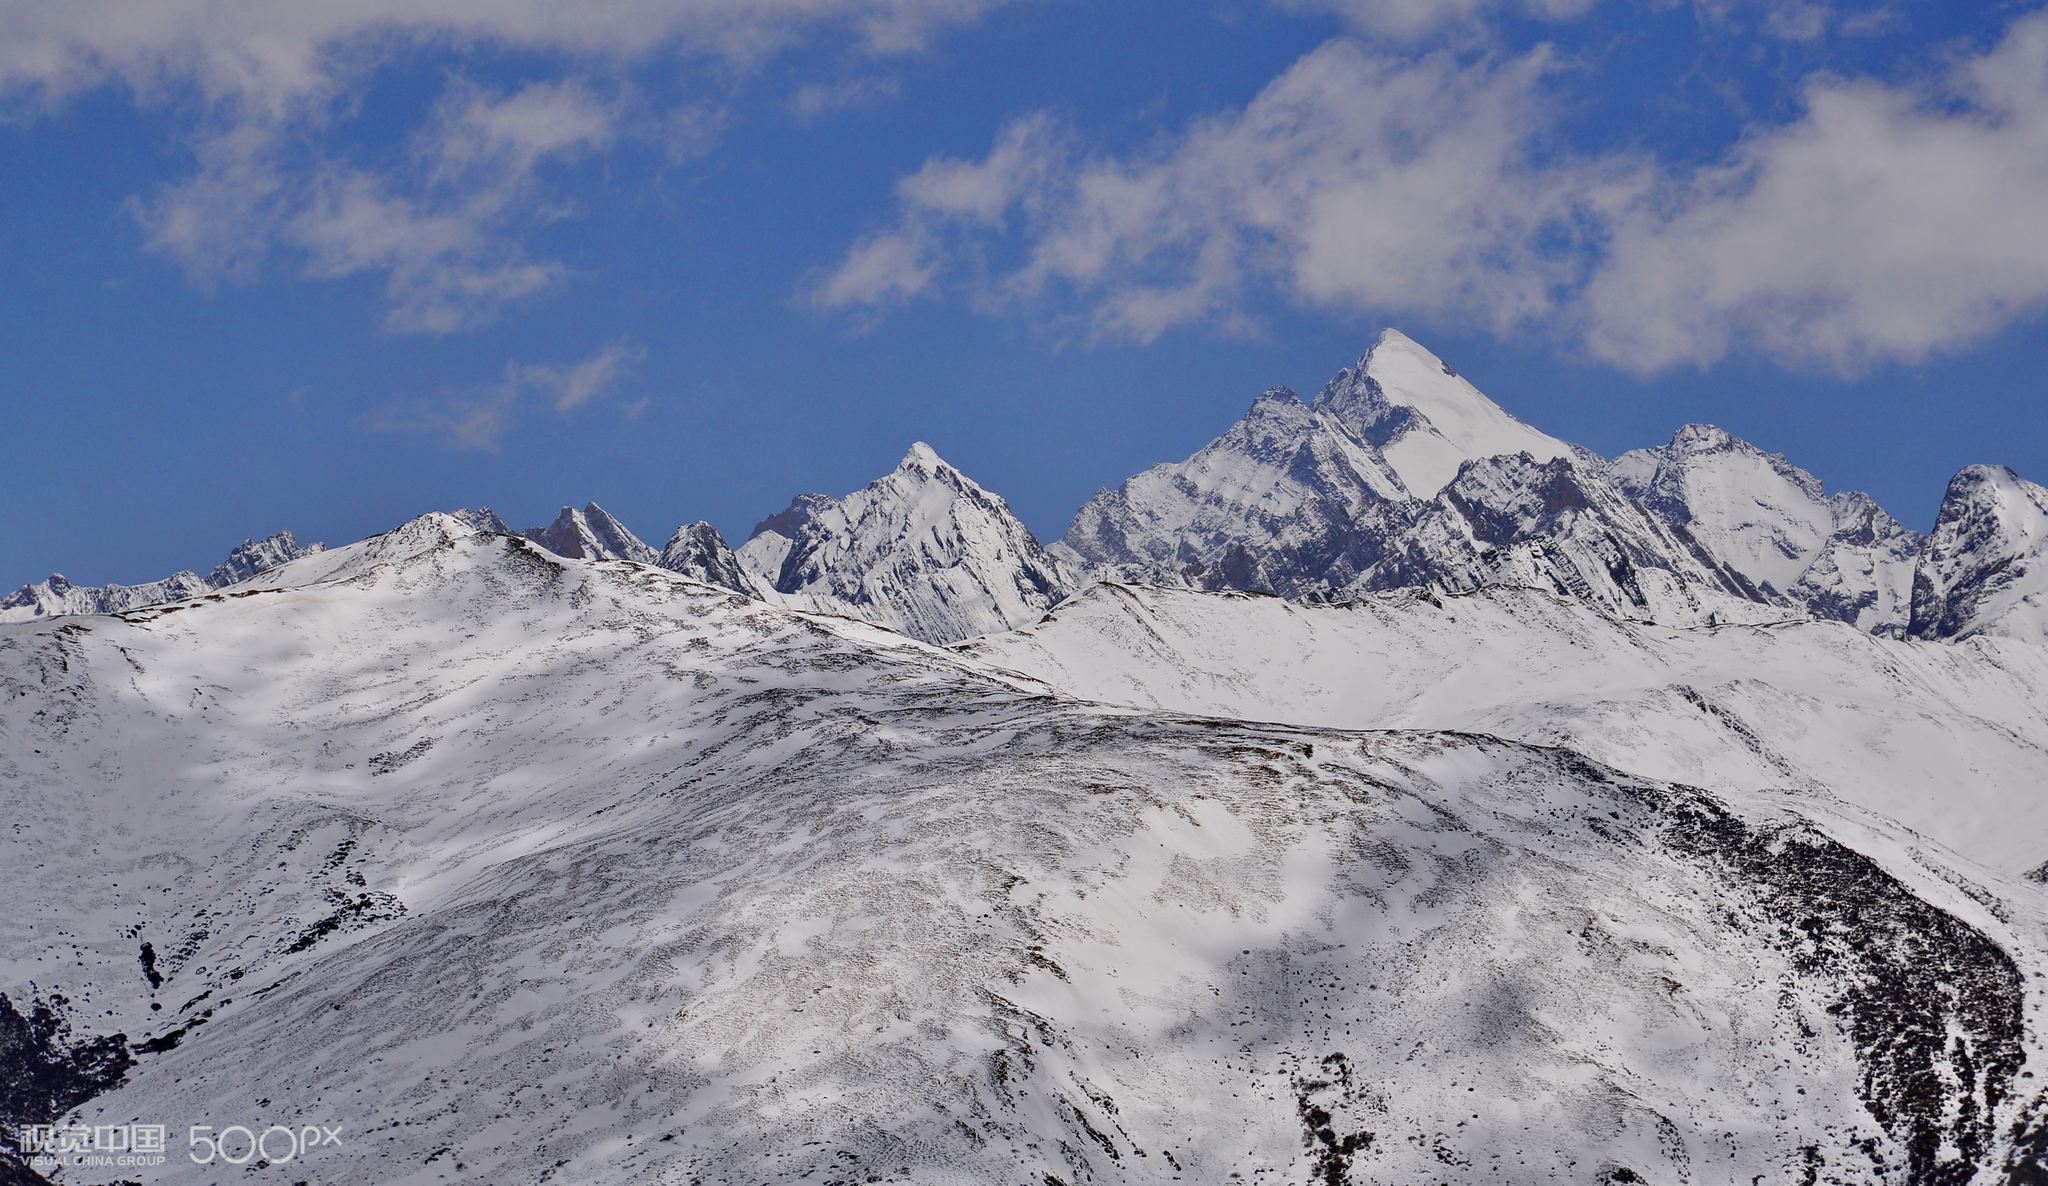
[522,868]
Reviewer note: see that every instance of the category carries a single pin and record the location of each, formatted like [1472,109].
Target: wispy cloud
[569,388]
[262,86]
[1408,20]
[479,419]
[814,101]
[267,59]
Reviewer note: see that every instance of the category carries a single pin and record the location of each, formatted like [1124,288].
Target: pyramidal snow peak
[1308,502]
[699,552]
[1424,417]
[922,550]
[591,534]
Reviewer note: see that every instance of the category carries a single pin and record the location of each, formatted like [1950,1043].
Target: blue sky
[325,267]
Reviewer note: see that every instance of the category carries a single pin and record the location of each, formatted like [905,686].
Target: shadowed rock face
[673,864]
[46,1070]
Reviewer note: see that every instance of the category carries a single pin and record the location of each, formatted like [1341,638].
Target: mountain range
[1388,793]
[1399,474]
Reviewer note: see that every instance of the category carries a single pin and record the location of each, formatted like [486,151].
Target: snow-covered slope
[1424,417]
[1950,740]
[699,552]
[1841,557]
[1984,570]
[922,550]
[57,596]
[520,868]
[591,534]
[431,532]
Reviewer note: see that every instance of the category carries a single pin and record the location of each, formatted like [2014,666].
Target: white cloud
[480,419]
[266,56]
[217,222]
[1886,223]
[1352,180]
[510,135]
[880,270]
[446,241]
[1020,165]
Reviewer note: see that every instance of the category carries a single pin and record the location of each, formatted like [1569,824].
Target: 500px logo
[238,1144]
[49,1145]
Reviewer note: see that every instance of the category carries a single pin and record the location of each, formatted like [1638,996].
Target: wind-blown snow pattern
[922,550]
[525,868]
[56,596]
[1985,567]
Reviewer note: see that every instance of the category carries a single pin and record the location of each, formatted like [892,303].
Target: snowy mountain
[1562,527]
[1841,557]
[922,550]
[1662,820]
[1984,570]
[1424,418]
[697,551]
[525,868]
[591,534]
[1287,501]
[1320,503]
[57,596]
